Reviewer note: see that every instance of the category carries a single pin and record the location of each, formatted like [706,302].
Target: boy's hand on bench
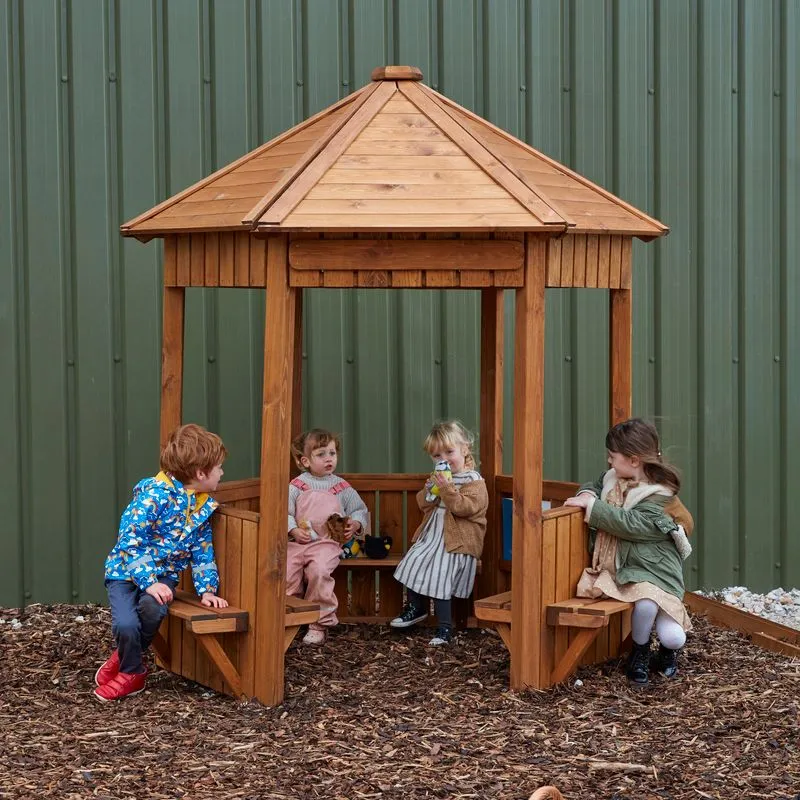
[210,599]
[161,592]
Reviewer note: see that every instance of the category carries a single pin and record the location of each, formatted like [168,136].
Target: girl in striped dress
[442,560]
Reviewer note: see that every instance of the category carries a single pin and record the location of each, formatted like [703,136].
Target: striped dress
[428,569]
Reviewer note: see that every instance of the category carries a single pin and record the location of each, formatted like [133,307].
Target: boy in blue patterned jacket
[165,528]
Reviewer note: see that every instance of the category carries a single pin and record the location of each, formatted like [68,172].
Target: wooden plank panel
[567,258]
[211,265]
[184,268]
[360,190]
[579,261]
[362,593]
[614,265]
[621,355]
[436,279]
[491,429]
[578,554]
[432,108]
[393,175]
[241,275]
[303,278]
[592,256]
[475,279]
[399,254]
[564,589]
[227,257]
[390,523]
[404,147]
[528,420]
[231,582]
[554,262]
[279,361]
[170,260]
[411,279]
[247,599]
[337,145]
[258,261]
[373,279]
[548,595]
[358,221]
[389,206]
[626,265]
[338,279]
[198,259]
[510,278]
[173,306]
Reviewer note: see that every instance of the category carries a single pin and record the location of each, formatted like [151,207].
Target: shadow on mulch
[375,714]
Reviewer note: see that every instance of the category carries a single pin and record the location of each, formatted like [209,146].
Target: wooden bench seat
[496,610]
[369,563]
[585,613]
[207,623]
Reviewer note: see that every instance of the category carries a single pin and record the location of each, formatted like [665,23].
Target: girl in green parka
[637,544]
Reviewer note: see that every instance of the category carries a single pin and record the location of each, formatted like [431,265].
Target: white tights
[645,614]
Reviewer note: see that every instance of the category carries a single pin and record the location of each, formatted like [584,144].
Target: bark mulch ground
[379,715]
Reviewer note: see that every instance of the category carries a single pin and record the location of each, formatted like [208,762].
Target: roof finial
[390,73]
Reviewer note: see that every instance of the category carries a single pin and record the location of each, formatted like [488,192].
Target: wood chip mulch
[374,714]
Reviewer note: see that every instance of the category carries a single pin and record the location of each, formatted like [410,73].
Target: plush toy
[336,527]
[377,546]
[350,549]
[443,468]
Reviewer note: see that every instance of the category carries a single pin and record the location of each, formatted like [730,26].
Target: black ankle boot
[665,661]
[638,663]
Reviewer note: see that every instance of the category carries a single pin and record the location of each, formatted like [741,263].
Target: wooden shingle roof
[395,156]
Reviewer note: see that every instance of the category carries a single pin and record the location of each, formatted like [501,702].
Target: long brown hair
[638,437]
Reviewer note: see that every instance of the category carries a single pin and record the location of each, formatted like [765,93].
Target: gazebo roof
[395,156]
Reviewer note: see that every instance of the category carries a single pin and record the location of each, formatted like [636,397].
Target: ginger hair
[191,449]
[305,444]
[450,433]
[638,437]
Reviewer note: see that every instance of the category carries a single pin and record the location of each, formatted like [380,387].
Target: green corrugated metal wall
[687,109]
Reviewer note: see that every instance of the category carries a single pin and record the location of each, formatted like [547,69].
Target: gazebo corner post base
[278,400]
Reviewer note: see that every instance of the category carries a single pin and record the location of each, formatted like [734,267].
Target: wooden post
[526,578]
[490,440]
[621,335]
[171,360]
[297,387]
[279,363]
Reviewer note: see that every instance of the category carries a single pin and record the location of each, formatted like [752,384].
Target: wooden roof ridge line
[306,179]
[495,168]
[127,227]
[552,162]
[252,217]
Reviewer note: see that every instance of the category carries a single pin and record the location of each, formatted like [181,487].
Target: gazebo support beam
[620,335]
[490,440]
[276,430]
[526,576]
[171,360]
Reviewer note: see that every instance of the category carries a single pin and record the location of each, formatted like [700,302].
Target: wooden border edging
[765,633]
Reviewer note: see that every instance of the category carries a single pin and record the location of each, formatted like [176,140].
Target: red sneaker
[124,684]
[108,671]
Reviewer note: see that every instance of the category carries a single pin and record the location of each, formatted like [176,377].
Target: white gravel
[779,605]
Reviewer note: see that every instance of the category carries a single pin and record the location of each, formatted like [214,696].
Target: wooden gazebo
[395,186]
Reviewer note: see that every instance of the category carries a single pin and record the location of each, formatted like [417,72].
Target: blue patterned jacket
[165,528]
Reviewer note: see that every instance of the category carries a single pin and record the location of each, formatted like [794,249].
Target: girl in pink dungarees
[313,496]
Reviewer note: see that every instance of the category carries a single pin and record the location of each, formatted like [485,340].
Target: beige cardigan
[464,516]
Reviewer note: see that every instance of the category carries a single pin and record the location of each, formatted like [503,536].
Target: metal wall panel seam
[69,291]
[790,259]
[208,140]
[19,254]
